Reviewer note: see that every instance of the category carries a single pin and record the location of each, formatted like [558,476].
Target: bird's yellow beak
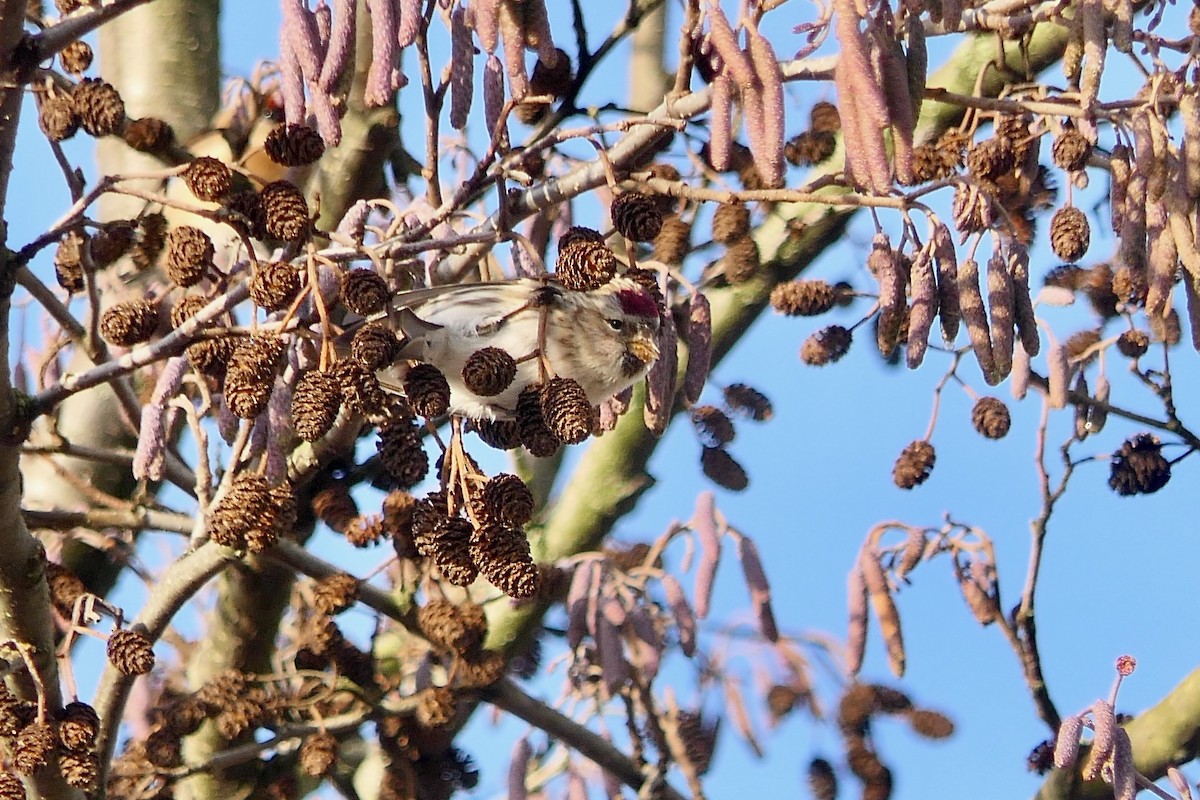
[644,348]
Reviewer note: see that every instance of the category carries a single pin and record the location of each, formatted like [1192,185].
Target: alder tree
[227,344]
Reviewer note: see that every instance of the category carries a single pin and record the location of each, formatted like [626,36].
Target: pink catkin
[614,669]
[486,21]
[1021,373]
[1000,306]
[280,432]
[323,15]
[646,645]
[341,44]
[1058,374]
[512,34]
[854,167]
[705,526]
[299,31]
[685,620]
[1104,728]
[699,340]
[493,94]
[971,303]
[518,765]
[538,36]
[1066,744]
[725,42]
[893,75]
[1162,260]
[582,580]
[150,459]
[1023,314]
[924,307]
[869,103]
[462,69]
[947,276]
[768,150]
[760,589]
[720,132]
[329,122]
[661,380]
[410,21]
[856,604]
[383,75]
[291,81]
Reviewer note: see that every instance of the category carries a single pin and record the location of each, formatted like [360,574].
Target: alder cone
[294,145]
[636,216]
[285,211]
[100,107]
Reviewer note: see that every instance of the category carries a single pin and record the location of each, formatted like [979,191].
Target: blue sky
[1116,569]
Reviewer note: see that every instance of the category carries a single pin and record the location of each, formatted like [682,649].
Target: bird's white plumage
[604,339]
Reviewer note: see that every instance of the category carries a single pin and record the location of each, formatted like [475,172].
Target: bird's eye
[616,324]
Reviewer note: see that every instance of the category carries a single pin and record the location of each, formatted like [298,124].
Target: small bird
[605,339]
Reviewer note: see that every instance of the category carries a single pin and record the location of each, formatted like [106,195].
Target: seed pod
[100,107]
[566,409]
[285,211]
[129,323]
[208,178]
[294,145]
[971,305]
[924,306]
[914,464]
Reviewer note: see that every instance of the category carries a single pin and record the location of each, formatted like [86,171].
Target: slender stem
[509,697]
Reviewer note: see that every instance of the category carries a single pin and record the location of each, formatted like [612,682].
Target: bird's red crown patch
[637,302]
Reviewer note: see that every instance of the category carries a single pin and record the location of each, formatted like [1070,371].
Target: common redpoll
[605,339]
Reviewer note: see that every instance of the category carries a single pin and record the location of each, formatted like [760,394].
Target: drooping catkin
[884,264]
[1023,314]
[944,257]
[767,140]
[924,306]
[1189,113]
[462,69]
[1000,306]
[1058,375]
[1119,175]
[975,317]
[885,610]
[1162,260]
[720,134]
[893,72]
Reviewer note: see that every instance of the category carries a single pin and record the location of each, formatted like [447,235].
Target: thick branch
[1166,735]
[509,697]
